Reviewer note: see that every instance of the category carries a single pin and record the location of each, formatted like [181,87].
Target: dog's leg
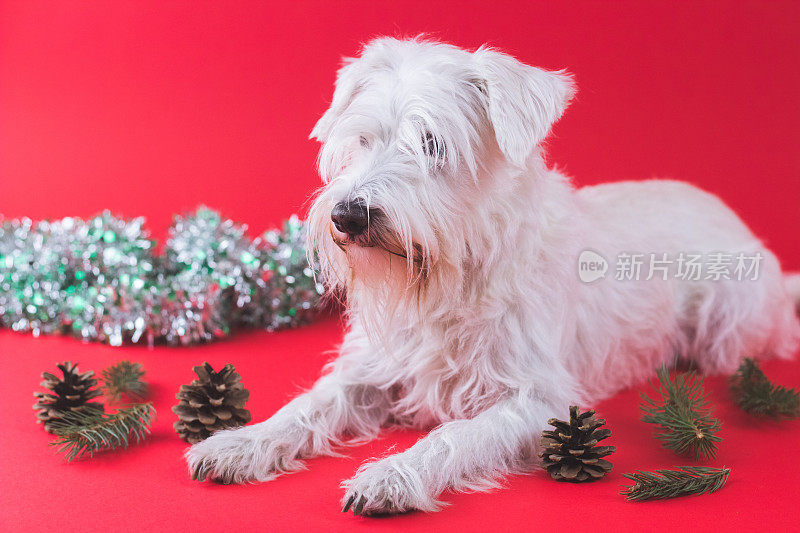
[310,425]
[462,455]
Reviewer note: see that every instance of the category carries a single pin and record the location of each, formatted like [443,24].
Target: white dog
[460,256]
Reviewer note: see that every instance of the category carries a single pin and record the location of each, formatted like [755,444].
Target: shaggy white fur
[465,309]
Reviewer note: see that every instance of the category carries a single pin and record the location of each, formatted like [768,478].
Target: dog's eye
[363,142]
[430,145]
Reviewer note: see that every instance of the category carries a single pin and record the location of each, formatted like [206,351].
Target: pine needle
[124,378]
[682,414]
[683,481]
[757,395]
[83,432]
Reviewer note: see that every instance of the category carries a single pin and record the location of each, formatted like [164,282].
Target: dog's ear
[345,88]
[523,101]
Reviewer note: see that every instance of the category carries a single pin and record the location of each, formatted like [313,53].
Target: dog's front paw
[388,486]
[241,455]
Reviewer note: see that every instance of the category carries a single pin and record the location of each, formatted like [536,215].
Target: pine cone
[571,452]
[72,393]
[212,402]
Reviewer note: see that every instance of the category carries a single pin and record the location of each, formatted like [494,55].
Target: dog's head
[419,138]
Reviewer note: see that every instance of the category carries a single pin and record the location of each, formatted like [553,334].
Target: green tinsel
[100,279]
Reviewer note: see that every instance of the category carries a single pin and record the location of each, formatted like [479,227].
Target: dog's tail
[792,283]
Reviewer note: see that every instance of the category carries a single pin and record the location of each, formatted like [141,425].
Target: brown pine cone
[71,393]
[213,401]
[571,452]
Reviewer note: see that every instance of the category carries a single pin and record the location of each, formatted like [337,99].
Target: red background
[151,108]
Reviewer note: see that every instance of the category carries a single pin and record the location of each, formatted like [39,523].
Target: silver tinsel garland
[102,280]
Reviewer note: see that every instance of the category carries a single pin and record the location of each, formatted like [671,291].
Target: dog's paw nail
[360,505]
[347,505]
[202,472]
[197,472]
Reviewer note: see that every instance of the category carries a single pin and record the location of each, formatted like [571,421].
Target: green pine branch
[683,481]
[757,395]
[125,378]
[682,415]
[82,432]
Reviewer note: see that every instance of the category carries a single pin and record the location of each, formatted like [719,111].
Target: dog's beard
[380,274]
[379,238]
[379,258]
[384,279]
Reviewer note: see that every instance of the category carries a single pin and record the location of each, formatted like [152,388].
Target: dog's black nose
[350,217]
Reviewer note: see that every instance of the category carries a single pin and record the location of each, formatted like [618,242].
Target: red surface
[152,108]
[147,487]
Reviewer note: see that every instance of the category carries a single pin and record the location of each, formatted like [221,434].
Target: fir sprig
[683,481]
[83,432]
[125,378]
[757,395]
[682,414]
